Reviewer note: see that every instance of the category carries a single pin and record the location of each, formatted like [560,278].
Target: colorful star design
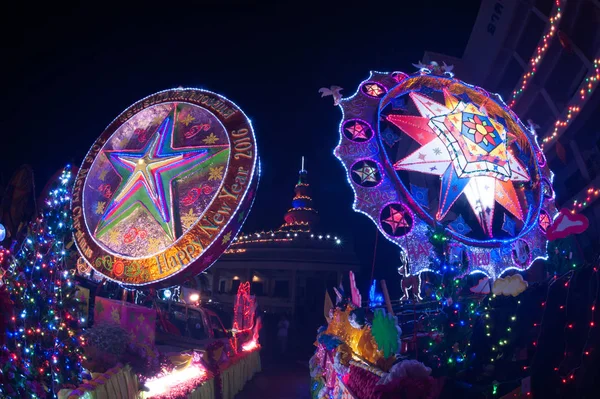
[226,238]
[509,225]
[460,226]
[396,219]
[147,176]
[482,130]
[157,120]
[448,135]
[420,195]
[544,221]
[373,89]
[399,103]
[115,315]
[153,245]
[186,120]
[100,207]
[215,173]
[189,218]
[366,173]
[358,131]
[210,139]
[113,236]
[389,137]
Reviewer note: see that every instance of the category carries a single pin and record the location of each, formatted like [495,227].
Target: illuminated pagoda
[290,267]
[301,216]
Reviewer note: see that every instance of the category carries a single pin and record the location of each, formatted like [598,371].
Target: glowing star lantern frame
[445,154]
[165,189]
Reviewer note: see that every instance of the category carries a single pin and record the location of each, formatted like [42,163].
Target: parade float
[451,176]
[158,198]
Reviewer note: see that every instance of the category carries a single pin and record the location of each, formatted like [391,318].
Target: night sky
[73,69]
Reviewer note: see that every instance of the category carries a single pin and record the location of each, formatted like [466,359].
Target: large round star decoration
[165,188]
[447,155]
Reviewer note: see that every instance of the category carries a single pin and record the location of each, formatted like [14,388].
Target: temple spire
[301,216]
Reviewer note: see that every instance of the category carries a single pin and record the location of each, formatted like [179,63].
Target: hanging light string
[539,52]
[586,89]
[570,375]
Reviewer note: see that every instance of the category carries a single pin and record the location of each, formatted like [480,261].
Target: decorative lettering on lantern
[194,130]
[242,144]
[209,100]
[479,259]
[419,250]
[375,197]
[357,149]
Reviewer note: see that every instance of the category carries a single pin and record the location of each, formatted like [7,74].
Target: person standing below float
[282,333]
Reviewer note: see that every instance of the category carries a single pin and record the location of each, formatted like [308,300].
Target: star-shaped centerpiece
[366,173]
[467,148]
[396,219]
[147,177]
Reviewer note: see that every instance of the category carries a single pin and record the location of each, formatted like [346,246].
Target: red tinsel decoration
[362,383]
[7,310]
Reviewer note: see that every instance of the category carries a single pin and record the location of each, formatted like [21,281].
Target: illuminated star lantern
[358,131]
[451,158]
[366,173]
[468,149]
[147,176]
[396,219]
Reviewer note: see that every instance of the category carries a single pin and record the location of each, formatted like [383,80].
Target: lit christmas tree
[41,353]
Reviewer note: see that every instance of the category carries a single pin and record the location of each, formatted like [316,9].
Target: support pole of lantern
[386,296]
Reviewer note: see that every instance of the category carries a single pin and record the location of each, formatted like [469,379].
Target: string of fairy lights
[283,236]
[585,91]
[589,195]
[539,52]
[468,311]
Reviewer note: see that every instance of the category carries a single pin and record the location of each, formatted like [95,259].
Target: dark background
[71,69]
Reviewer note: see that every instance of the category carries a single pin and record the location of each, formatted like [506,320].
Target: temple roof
[301,216]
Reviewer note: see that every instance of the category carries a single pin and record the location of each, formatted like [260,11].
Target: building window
[540,113]
[235,284]
[545,6]
[585,31]
[282,289]
[257,288]
[530,37]
[511,78]
[574,184]
[565,79]
[222,286]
